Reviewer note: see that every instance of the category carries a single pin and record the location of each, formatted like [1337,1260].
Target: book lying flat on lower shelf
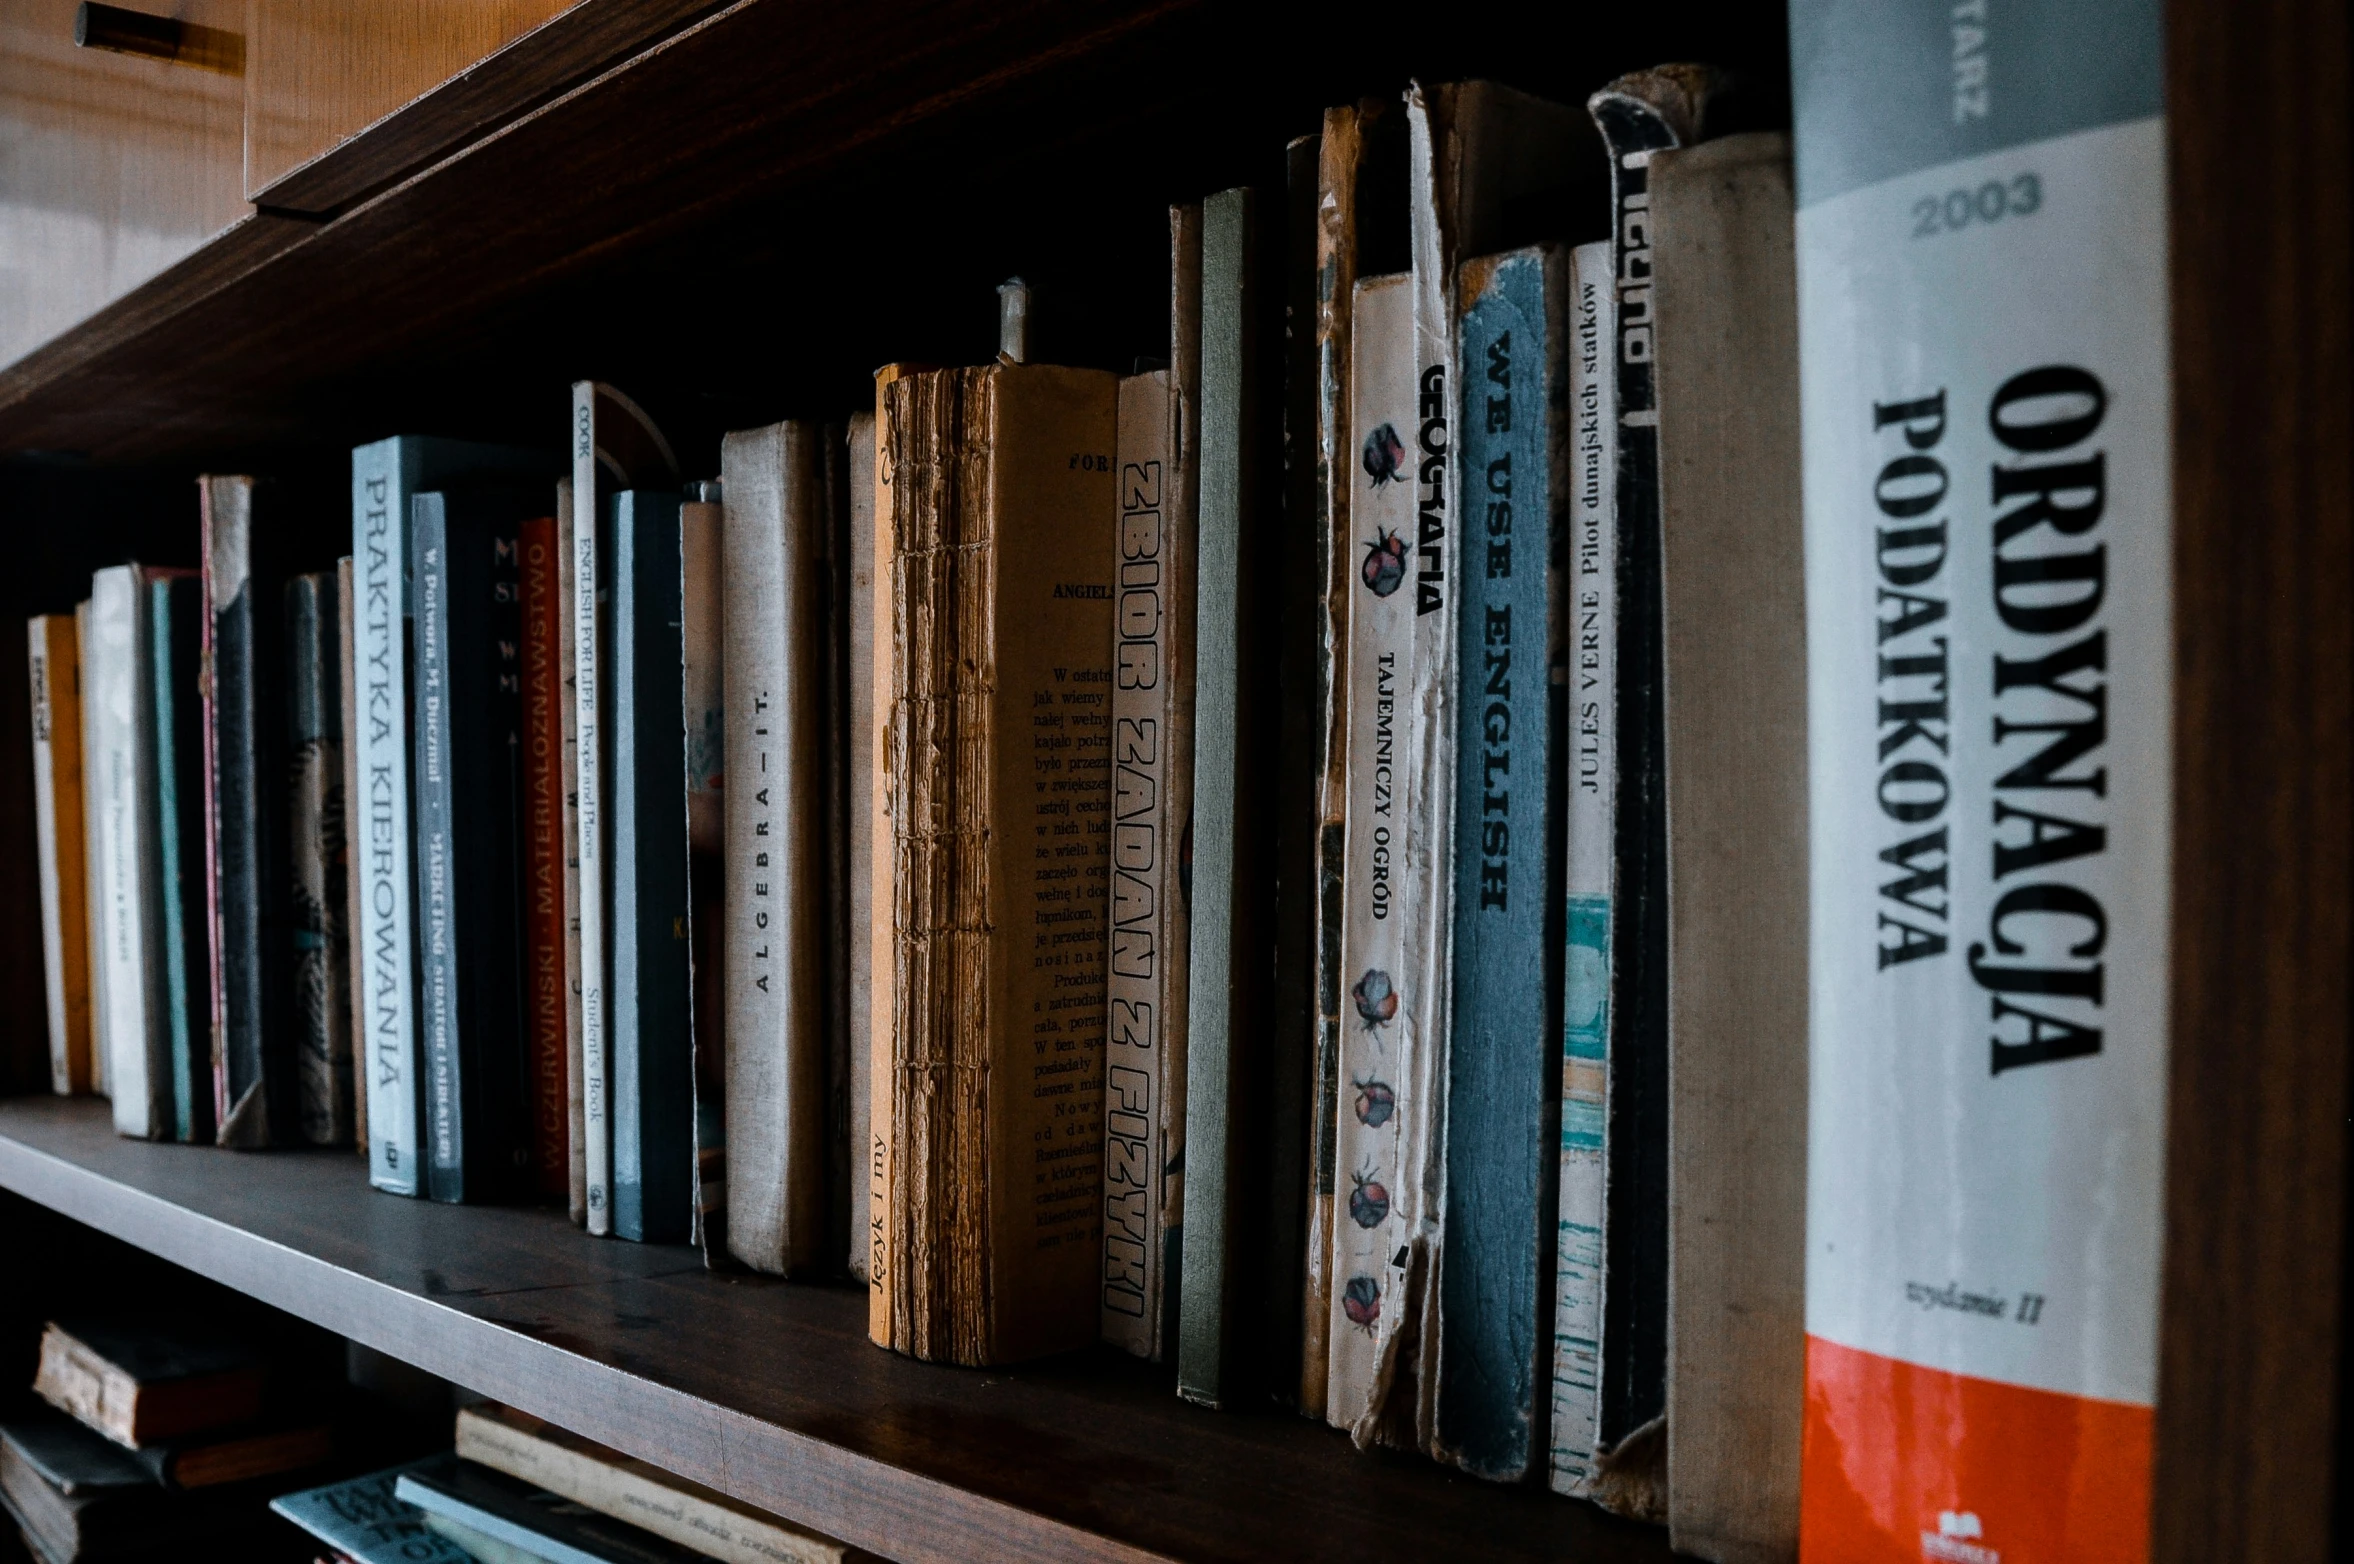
[137,1384]
[604,1480]
[539,1524]
[364,1520]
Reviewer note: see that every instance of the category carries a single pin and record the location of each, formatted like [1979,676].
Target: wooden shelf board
[769,1390]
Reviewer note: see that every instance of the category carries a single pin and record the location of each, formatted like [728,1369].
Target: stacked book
[1294,861]
[147,1443]
[520,1491]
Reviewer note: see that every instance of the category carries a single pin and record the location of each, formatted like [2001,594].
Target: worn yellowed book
[1004,505]
[56,666]
[605,1480]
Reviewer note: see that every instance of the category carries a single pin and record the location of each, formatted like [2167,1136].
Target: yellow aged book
[1003,508]
[56,664]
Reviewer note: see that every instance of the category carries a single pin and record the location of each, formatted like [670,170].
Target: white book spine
[93,907]
[382,847]
[45,848]
[587,706]
[137,1043]
[1429,873]
[1384,1028]
[775,805]
[1984,377]
[1143,843]
[1589,844]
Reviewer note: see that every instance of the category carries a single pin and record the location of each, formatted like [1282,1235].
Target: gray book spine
[138,1034]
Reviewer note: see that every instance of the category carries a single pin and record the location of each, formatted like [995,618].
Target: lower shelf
[770,1391]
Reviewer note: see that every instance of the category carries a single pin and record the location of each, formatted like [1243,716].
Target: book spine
[774,845]
[862,820]
[55,667]
[1383,1034]
[652,1063]
[886,1215]
[1991,705]
[321,1009]
[568,704]
[543,860]
[437,908]
[348,693]
[175,640]
[385,970]
[1587,836]
[1502,1082]
[1427,887]
[1143,848]
[1335,284]
[589,759]
[1182,518]
[94,782]
[1224,997]
[1634,124]
[244,849]
[138,1042]
[703,728]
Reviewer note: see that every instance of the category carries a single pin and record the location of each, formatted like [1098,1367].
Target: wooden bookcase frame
[463,211]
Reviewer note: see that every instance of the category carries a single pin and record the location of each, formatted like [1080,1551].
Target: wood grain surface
[2249,1378]
[769,1391]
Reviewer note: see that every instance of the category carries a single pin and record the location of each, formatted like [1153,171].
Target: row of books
[1305,861]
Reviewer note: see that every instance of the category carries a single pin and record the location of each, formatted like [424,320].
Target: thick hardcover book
[385,477]
[470,812]
[775,834]
[1230,1341]
[568,666]
[319,964]
[121,1519]
[1150,682]
[94,783]
[1495,1286]
[1735,620]
[539,1524]
[1360,202]
[363,1520]
[703,567]
[1984,389]
[1590,792]
[138,1039]
[1002,602]
[1385,1032]
[246,854]
[652,1065]
[54,661]
[175,631]
[1638,115]
[605,1480]
[544,1005]
[354,1021]
[614,446]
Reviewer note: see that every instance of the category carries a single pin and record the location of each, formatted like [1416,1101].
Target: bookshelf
[736,211]
[769,1390]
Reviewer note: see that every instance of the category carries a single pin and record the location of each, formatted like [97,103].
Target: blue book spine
[469,781]
[1502,1071]
[385,478]
[653,1064]
[175,646]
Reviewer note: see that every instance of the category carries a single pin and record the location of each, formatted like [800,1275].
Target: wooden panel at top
[321,71]
[115,166]
[343,100]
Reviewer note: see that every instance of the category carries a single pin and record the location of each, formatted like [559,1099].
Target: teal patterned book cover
[1496,1282]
